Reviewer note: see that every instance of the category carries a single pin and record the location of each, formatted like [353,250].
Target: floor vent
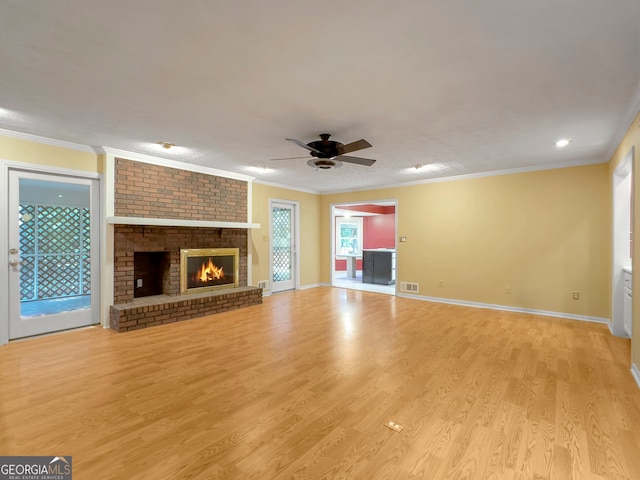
[396,427]
[264,284]
[408,287]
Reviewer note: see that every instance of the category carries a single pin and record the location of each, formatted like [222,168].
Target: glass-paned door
[283,247]
[52,239]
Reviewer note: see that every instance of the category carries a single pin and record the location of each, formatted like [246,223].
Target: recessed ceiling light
[166,145]
[563,142]
[260,169]
[424,168]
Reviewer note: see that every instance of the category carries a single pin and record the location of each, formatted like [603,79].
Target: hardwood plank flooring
[301,386]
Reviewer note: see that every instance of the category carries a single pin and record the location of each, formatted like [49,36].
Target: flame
[209,272]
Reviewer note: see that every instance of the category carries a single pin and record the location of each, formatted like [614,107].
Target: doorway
[53,232]
[284,237]
[623,178]
[363,252]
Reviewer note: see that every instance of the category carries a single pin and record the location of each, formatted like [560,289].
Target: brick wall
[155,191]
[129,239]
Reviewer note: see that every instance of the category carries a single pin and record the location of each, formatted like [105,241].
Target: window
[348,235]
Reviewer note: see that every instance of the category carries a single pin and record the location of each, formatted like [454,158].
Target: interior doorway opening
[363,252]
[623,178]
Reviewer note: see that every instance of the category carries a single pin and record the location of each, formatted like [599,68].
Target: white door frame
[296,254]
[5,166]
[621,227]
[332,213]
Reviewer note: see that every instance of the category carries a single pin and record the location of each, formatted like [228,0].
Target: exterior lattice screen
[281,244]
[55,251]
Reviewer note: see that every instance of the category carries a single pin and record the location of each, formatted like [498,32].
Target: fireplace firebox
[204,269]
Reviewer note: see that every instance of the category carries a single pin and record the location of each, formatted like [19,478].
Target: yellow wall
[310,239]
[629,141]
[543,234]
[19,150]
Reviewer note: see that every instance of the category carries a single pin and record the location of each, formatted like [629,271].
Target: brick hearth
[158,310]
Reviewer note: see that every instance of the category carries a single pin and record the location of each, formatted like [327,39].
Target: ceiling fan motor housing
[328,148]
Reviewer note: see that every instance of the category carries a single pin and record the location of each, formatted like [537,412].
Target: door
[284,255]
[53,253]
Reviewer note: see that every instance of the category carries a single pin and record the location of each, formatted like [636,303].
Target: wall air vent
[408,287]
[264,284]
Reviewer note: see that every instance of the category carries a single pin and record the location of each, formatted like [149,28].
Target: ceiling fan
[329,154]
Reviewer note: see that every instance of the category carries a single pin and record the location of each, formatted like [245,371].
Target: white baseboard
[546,313]
[636,373]
[314,285]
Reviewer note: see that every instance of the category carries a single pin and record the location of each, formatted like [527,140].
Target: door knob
[14,263]
[14,251]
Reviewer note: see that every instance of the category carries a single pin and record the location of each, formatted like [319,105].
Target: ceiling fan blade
[353,146]
[357,160]
[288,158]
[303,145]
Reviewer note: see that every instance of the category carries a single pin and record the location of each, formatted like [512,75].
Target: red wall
[379,232]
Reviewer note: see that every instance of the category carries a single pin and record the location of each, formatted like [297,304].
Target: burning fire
[209,272]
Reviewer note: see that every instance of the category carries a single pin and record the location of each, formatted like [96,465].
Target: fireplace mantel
[174,222]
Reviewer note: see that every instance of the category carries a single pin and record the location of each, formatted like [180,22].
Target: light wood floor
[301,386]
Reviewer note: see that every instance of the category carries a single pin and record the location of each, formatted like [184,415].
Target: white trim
[314,285]
[31,167]
[249,249]
[627,120]
[46,141]
[4,259]
[5,167]
[140,157]
[453,178]
[296,215]
[636,374]
[175,222]
[332,231]
[621,226]
[505,308]
[610,328]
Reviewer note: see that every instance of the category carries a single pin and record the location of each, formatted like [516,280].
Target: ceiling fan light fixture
[324,164]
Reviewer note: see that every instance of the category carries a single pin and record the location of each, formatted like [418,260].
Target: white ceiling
[468,86]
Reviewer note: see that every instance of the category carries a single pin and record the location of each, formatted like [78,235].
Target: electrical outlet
[403,239]
[139,283]
[576,295]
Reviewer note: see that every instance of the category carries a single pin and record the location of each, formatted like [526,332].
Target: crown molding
[140,157]
[452,178]
[632,111]
[47,141]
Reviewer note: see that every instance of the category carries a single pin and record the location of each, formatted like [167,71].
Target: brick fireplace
[142,190]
